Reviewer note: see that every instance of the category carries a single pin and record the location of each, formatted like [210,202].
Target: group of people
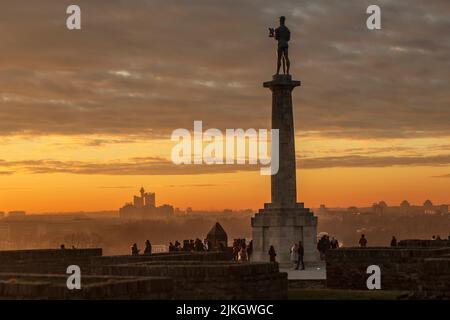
[297,254]
[325,243]
[297,251]
[175,247]
[242,251]
[147,251]
[190,245]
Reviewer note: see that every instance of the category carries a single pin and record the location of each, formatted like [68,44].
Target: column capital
[282,81]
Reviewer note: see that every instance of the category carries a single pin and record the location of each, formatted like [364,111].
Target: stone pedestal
[284,222]
[281,228]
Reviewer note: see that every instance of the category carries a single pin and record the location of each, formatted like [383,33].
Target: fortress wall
[434,279]
[206,275]
[166,256]
[46,260]
[216,280]
[424,243]
[47,254]
[89,260]
[400,267]
[50,286]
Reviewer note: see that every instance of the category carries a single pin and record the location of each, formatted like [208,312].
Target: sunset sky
[86,116]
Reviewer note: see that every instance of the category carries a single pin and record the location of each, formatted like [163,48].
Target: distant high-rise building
[322,209]
[144,207]
[138,202]
[149,199]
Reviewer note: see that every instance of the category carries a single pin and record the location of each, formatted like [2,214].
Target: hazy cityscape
[142,219]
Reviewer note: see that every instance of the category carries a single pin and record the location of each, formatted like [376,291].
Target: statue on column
[282,35]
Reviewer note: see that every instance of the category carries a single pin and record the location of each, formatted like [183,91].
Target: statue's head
[282,20]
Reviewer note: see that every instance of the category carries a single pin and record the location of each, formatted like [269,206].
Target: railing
[160,248]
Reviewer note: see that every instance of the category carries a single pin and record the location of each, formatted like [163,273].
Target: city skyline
[86,116]
[142,198]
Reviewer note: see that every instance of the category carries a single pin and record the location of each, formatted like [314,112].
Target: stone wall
[50,286]
[41,274]
[400,267]
[213,280]
[46,260]
[434,279]
[48,254]
[415,243]
[307,284]
[89,260]
[166,256]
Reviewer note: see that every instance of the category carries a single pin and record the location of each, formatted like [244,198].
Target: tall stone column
[284,190]
[284,222]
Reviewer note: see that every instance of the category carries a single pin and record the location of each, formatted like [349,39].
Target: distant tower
[142,191]
[138,202]
[150,199]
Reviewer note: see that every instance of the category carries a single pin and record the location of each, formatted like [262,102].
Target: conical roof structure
[217,232]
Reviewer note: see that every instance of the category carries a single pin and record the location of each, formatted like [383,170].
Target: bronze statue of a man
[282,35]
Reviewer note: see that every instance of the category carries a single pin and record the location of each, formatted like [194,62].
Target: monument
[283,222]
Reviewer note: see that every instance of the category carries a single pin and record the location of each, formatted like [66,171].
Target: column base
[282,228]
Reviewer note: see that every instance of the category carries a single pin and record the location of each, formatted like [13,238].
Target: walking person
[301,254]
[250,250]
[272,254]
[334,243]
[322,246]
[294,255]
[236,251]
[148,248]
[242,254]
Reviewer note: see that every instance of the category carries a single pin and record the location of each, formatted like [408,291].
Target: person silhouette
[282,35]
[272,254]
[394,241]
[148,248]
[363,241]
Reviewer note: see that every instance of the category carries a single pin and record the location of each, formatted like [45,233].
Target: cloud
[202,185]
[116,187]
[154,66]
[373,161]
[442,176]
[160,166]
[101,142]
[5,173]
[133,166]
